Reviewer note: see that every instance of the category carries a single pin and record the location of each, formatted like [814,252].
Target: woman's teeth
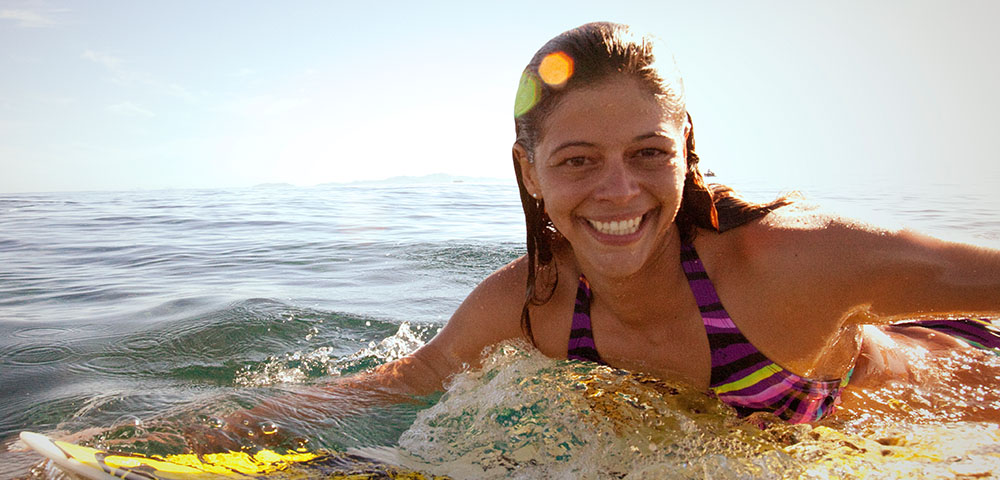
[624,227]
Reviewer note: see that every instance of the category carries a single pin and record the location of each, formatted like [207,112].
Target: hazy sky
[117,95]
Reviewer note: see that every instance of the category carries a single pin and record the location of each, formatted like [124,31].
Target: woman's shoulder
[502,291]
[490,314]
[798,232]
[796,219]
[499,298]
[789,213]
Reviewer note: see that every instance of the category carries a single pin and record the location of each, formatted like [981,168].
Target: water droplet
[268,428]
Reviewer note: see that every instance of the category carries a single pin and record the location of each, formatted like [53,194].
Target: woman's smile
[621,229]
[624,227]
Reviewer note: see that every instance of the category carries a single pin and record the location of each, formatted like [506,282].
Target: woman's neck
[632,298]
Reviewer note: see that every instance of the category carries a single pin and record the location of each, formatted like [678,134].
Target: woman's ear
[528,174]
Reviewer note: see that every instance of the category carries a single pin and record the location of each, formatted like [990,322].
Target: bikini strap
[697,277]
[581,336]
[732,354]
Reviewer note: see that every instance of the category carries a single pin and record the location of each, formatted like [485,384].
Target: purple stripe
[715,330]
[693,266]
[718,321]
[581,321]
[734,352]
[972,331]
[704,292]
[582,342]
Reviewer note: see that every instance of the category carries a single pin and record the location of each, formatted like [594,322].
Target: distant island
[434,178]
[423,179]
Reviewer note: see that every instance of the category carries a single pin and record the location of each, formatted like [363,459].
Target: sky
[124,95]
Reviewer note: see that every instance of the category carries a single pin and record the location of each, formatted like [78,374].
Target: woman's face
[610,167]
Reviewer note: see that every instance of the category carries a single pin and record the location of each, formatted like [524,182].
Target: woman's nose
[618,182]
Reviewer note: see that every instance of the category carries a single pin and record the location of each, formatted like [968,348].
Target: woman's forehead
[614,108]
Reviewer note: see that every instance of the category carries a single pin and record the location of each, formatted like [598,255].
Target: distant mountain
[424,179]
[274,185]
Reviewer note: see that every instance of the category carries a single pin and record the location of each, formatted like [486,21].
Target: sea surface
[140,312]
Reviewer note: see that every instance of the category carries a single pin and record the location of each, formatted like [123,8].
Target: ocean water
[137,313]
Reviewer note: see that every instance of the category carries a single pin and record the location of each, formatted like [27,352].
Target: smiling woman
[612,196]
[690,283]
[638,272]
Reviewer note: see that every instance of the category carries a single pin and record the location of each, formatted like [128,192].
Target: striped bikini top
[741,375]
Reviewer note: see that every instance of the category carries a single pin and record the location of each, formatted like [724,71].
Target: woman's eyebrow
[653,135]
[577,143]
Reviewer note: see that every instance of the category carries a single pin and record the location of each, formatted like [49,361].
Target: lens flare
[556,68]
[528,92]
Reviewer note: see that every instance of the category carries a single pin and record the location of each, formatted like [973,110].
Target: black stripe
[582,301]
[718,341]
[793,406]
[585,353]
[580,333]
[987,335]
[711,307]
[721,373]
[688,255]
[700,275]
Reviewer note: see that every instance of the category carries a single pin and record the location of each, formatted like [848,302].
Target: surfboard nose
[41,444]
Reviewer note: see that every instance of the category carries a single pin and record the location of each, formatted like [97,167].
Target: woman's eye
[650,152]
[652,157]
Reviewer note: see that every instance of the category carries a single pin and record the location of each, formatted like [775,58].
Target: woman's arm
[489,315]
[915,274]
[879,275]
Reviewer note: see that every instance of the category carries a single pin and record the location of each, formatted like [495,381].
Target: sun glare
[556,68]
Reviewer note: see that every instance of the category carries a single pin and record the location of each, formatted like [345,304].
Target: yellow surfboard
[97,464]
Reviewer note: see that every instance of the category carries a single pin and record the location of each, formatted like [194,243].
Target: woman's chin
[621,255]
[620,264]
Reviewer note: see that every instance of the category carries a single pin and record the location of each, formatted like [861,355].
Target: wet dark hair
[591,54]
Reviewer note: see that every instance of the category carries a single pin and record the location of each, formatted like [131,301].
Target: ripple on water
[30,355]
[41,332]
[139,344]
[105,365]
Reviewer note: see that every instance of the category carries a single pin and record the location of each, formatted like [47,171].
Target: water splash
[526,416]
[301,366]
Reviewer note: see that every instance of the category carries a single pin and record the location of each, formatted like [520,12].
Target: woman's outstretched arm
[489,315]
[881,275]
